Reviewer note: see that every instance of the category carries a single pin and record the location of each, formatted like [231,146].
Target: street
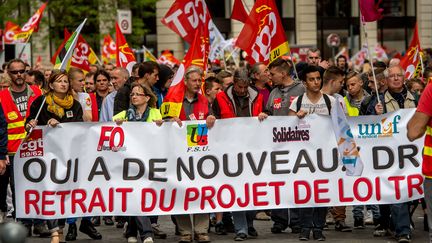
[111,234]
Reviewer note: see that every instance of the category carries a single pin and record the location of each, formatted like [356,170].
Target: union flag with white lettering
[263,37]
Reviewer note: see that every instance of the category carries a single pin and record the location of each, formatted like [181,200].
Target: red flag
[238,12]
[411,61]
[370,11]
[11,29]
[197,55]
[83,55]
[168,58]
[108,49]
[61,47]
[31,26]
[125,56]
[185,16]
[263,37]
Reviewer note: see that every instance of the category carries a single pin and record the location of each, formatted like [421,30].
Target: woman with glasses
[58,106]
[142,109]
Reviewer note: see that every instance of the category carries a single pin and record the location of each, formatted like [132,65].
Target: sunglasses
[15,72]
[137,94]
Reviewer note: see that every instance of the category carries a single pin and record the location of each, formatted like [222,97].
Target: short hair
[223,74]
[165,73]
[353,74]
[147,68]
[380,64]
[332,73]
[123,72]
[281,64]
[135,66]
[73,71]
[193,69]
[313,49]
[427,71]
[101,72]
[341,56]
[386,71]
[153,99]
[208,84]
[308,69]
[255,69]
[241,75]
[39,77]
[15,60]
[413,81]
[95,65]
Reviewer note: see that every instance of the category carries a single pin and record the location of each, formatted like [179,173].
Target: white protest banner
[83,169]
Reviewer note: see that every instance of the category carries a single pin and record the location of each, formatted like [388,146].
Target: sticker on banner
[386,128]
[197,137]
[33,146]
[111,139]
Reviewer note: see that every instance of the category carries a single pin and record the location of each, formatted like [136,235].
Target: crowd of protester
[109,93]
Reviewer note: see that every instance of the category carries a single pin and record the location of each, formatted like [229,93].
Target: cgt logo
[386,128]
[111,138]
[33,147]
[197,137]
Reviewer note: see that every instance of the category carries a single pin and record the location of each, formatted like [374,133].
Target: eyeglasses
[15,72]
[393,76]
[137,94]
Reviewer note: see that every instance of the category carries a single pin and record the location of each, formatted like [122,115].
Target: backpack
[326,100]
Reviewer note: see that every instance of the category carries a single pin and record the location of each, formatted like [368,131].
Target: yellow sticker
[12,115]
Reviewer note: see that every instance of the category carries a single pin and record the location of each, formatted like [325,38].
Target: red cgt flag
[31,26]
[263,37]
[186,16]
[197,55]
[108,49]
[238,12]
[411,61]
[11,29]
[125,56]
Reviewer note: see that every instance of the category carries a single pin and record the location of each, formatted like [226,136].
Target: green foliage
[70,13]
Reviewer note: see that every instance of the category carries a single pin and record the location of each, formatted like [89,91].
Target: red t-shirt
[425,103]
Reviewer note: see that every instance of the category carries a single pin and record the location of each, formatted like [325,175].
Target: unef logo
[197,138]
[111,138]
[386,128]
[33,147]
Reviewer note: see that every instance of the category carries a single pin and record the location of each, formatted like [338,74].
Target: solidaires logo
[197,135]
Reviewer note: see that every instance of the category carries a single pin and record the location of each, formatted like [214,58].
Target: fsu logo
[33,147]
[197,138]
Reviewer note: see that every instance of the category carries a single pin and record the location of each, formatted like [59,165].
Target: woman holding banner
[142,109]
[55,107]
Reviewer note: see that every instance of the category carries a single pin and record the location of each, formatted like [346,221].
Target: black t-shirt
[21,99]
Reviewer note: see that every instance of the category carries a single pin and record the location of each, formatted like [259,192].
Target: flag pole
[421,63]
[294,66]
[371,58]
[37,116]
[22,50]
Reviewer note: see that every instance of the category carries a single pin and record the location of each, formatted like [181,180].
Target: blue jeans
[358,211]
[243,220]
[312,218]
[401,219]
[286,217]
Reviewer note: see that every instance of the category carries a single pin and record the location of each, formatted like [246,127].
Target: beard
[19,81]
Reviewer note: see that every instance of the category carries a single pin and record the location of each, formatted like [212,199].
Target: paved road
[112,234]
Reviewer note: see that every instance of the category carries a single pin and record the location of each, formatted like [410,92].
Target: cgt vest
[427,153]
[200,109]
[227,109]
[15,128]
[94,107]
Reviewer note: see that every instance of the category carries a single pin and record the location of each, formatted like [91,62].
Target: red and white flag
[11,29]
[411,61]
[186,16]
[108,49]
[31,26]
[197,55]
[125,56]
[263,36]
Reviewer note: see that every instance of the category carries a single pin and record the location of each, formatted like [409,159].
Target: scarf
[57,105]
[132,115]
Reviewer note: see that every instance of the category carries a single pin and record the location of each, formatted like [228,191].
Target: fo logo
[111,138]
[33,146]
[197,135]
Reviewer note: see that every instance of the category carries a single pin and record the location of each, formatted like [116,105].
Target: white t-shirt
[318,108]
[85,101]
